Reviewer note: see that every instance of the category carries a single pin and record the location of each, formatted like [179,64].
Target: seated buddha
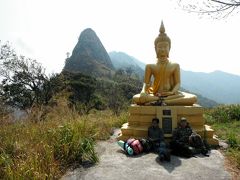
[166,78]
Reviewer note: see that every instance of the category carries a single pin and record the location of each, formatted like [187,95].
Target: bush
[224,113]
[232,140]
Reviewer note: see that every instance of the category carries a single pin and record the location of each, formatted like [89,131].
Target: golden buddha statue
[166,84]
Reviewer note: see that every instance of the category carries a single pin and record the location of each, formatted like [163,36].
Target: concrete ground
[116,165]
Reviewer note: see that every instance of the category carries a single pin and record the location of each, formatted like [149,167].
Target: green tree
[82,89]
[116,99]
[24,82]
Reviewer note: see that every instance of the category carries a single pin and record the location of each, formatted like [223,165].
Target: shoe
[204,152]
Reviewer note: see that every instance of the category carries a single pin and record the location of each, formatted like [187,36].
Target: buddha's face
[162,49]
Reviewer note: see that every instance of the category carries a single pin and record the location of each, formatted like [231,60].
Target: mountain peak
[88,32]
[89,56]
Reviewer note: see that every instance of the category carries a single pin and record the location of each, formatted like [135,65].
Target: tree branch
[228,4]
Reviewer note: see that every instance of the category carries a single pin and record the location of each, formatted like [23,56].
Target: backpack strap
[125,146]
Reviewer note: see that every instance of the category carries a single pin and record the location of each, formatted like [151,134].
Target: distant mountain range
[121,60]
[219,86]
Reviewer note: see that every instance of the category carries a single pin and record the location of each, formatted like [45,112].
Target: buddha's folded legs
[182,98]
[142,99]
[186,99]
[175,96]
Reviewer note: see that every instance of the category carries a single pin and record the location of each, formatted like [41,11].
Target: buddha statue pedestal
[169,116]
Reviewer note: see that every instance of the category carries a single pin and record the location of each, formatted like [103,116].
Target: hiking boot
[204,152]
[188,152]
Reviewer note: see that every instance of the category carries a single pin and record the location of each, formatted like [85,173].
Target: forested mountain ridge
[121,60]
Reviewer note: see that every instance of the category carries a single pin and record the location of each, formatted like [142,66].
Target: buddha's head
[162,43]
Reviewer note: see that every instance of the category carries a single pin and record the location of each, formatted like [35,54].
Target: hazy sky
[47,29]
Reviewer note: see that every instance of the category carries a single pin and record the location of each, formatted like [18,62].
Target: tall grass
[45,149]
[223,113]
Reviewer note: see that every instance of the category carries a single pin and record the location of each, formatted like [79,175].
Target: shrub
[232,140]
[224,113]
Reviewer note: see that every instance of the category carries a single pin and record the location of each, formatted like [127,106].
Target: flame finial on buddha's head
[162,37]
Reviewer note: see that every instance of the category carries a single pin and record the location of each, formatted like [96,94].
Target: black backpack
[197,142]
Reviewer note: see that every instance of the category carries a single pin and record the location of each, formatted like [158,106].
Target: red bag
[135,145]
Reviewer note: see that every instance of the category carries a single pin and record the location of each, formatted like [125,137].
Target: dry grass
[51,140]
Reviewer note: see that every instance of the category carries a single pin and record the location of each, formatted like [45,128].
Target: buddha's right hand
[142,93]
[144,89]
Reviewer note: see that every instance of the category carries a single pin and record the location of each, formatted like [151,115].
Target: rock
[223,145]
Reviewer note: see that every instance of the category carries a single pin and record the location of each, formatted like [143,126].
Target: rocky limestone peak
[89,56]
[88,35]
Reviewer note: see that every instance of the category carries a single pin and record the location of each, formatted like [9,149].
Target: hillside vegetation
[47,148]
[225,120]
[65,114]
